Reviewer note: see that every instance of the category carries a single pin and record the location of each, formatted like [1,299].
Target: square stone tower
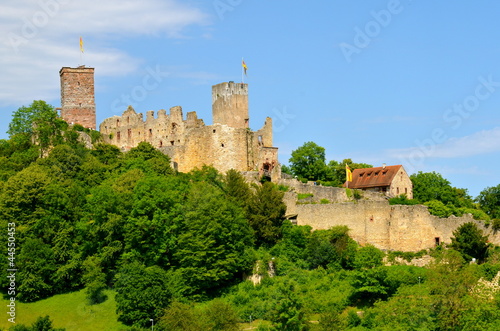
[230,104]
[77,96]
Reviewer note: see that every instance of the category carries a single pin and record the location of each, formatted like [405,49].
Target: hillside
[148,242]
[70,311]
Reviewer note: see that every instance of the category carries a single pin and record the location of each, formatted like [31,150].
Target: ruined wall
[332,194]
[389,227]
[401,184]
[220,146]
[190,144]
[130,129]
[77,96]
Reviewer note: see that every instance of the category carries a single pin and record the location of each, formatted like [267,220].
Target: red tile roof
[373,177]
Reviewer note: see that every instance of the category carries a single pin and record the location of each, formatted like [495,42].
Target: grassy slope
[69,311]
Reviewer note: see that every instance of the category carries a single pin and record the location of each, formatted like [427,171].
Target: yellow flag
[244,65]
[348,173]
[81,44]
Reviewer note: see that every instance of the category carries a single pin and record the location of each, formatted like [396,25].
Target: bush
[495,224]
[78,127]
[402,200]
[469,240]
[283,188]
[301,196]
[324,201]
[407,256]
[437,208]
[368,257]
[477,214]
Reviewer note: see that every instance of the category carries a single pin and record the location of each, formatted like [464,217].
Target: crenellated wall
[191,144]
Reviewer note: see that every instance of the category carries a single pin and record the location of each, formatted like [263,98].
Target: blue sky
[398,82]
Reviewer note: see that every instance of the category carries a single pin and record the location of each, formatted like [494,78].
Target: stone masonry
[77,96]
[373,221]
[226,144]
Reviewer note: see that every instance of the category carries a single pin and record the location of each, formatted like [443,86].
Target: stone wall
[388,227]
[191,144]
[77,96]
[332,194]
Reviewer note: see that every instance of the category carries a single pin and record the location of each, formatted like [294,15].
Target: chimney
[383,165]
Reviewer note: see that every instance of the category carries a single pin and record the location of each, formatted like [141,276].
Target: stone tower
[77,96]
[230,104]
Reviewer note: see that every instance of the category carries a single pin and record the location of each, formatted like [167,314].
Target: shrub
[477,214]
[496,224]
[437,208]
[402,200]
[301,196]
[324,201]
[407,256]
[368,257]
[78,127]
[283,188]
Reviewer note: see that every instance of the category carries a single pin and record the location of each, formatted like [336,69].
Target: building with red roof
[391,180]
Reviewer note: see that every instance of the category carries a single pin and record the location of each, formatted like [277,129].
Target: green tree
[335,171]
[94,280]
[437,208]
[220,315]
[214,242]
[237,188]
[37,266]
[288,313]
[409,309]
[368,257]
[141,293]
[38,121]
[331,248]
[293,242]
[450,282]
[430,186]
[180,316]
[308,161]
[265,212]
[44,324]
[469,240]
[107,154]
[148,159]
[23,197]
[156,213]
[369,285]
[24,117]
[489,200]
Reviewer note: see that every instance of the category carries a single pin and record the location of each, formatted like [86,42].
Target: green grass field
[69,311]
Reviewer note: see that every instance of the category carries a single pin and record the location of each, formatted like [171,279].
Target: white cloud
[482,142]
[38,37]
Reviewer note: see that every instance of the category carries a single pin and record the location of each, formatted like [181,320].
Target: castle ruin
[230,144]
[226,144]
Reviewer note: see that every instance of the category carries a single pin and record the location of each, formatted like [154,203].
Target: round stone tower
[230,104]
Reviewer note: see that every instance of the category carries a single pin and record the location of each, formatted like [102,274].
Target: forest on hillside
[179,247]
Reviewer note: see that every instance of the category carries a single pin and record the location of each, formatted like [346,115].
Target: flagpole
[242,71]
